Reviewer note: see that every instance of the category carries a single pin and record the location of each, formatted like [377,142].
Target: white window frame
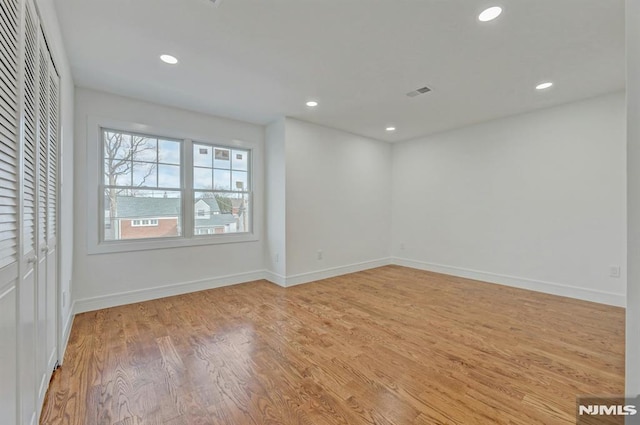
[95,183]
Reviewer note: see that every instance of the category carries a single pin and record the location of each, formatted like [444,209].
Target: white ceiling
[255,60]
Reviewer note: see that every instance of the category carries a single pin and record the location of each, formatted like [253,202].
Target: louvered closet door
[52,219]
[42,173]
[27,292]
[46,274]
[9,214]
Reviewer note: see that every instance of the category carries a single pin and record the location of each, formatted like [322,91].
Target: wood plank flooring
[385,346]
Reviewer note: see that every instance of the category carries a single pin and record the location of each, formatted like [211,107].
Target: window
[221,185]
[142,178]
[144,223]
[193,190]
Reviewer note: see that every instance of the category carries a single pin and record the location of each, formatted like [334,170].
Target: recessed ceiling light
[312,103]
[171,60]
[543,86]
[490,14]
[390,128]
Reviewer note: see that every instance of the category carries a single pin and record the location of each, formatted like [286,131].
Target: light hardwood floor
[390,345]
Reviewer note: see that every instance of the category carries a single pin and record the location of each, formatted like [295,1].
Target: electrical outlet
[319,254]
[277,258]
[614,271]
[402,247]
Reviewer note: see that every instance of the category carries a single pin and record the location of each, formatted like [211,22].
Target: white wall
[275,201]
[49,21]
[337,201]
[633,194]
[535,200]
[102,280]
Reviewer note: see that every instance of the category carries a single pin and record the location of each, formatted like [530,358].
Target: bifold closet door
[27,326]
[46,165]
[42,150]
[52,219]
[10,12]
[29,110]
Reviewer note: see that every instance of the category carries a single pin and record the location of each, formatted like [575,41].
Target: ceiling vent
[419,91]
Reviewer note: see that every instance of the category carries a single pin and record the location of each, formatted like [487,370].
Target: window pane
[239,181]
[144,149]
[117,172]
[116,145]
[221,180]
[169,176]
[147,214]
[239,160]
[169,152]
[202,155]
[219,213]
[203,178]
[222,158]
[145,174]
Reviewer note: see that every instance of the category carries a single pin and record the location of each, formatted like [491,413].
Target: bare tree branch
[128,148]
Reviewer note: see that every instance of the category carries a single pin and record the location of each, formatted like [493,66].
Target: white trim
[42,389]
[66,332]
[301,278]
[276,278]
[140,295]
[554,288]
[94,128]
[130,245]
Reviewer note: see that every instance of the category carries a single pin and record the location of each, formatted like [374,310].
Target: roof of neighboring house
[212,202]
[146,207]
[215,220]
[142,206]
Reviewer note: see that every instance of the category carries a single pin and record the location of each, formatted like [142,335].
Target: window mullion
[187,184]
[101,205]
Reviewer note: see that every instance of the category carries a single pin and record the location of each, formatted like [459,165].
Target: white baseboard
[122,298]
[301,278]
[139,295]
[66,332]
[553,288]
[276,278]
[112,300]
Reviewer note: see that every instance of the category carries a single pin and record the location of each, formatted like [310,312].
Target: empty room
[293,212]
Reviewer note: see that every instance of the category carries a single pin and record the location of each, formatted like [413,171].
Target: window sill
[168,243]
